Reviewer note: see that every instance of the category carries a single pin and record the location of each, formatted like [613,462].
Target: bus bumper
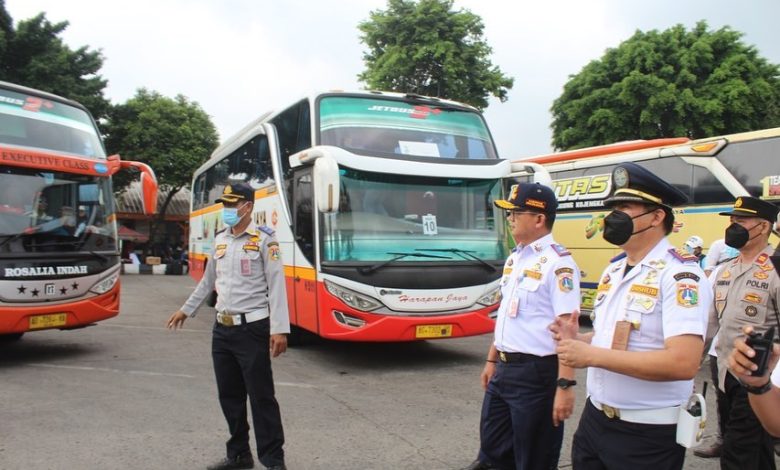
[77,314]
[397,328]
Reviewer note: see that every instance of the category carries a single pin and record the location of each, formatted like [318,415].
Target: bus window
[707,189]
[753,162]
[672,170]
[293,132]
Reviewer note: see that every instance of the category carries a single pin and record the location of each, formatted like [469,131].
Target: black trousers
[516,429]
[242,366]
[745,442]
[602,443]
[720,397]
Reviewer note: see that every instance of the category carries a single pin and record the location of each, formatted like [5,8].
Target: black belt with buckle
[508,357]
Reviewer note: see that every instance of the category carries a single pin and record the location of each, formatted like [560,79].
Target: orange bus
[59,257]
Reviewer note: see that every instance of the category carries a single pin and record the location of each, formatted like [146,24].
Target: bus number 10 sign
[429,225]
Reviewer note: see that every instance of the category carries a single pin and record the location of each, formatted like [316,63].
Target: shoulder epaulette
[560,249]
[267,230]
[683,256]
[618,257]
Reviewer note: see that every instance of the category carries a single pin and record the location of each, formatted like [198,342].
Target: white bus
[383,206]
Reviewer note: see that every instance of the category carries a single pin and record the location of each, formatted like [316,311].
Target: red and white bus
[383,206]
[59,258]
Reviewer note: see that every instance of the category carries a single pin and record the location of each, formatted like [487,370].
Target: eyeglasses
[512,213]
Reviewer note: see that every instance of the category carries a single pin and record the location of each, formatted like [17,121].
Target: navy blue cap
[237,192]
[635,183]
[529,196]
[746,206]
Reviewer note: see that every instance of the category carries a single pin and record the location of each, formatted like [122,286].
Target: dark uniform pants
[602,443]
[745,442]
[242,365]
[516,429]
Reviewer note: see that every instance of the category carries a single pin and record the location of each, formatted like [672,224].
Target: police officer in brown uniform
[746,294]
[251,326]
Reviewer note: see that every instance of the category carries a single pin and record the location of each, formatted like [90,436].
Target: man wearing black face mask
[746,294]
[648,334]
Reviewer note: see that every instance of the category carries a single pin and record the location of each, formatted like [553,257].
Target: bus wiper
[462,253]
[9,237]
[396,257]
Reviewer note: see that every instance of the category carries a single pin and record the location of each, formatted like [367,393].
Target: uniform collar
[249,230]
[538,245]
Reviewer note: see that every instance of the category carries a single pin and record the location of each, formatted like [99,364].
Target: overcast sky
[239,58]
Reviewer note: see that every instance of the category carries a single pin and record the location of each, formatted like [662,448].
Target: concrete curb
[147,269]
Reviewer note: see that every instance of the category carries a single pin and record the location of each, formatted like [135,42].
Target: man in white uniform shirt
[648,333]
[527,394]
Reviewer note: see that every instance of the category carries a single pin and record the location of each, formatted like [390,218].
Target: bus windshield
[398,129]
[34,122]
[54,212]
[381,215]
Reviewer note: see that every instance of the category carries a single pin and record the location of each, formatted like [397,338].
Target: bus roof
[601,150]
[256,126]
[42,94]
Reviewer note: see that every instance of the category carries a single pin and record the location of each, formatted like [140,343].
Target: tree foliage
[673,83]
[173,136]
[425,47]
[33,55]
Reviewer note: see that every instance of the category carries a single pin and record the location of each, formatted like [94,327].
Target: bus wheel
[298,336]
[9,338]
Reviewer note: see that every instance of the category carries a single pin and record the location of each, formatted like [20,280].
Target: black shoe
[477,465]
[714,450]
[277,467]
[242,461]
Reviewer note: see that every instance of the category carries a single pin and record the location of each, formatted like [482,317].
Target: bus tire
[11,337]
[298,336]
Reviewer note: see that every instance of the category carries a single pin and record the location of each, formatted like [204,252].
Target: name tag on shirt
[246,267]
[620,337]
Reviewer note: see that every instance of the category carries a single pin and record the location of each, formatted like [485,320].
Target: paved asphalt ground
[129,394]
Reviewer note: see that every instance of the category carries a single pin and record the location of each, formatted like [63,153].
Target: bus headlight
[106,284]
[491,298]
[352,298]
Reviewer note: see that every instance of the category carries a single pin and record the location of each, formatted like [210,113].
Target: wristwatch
[760,390]
[566,383]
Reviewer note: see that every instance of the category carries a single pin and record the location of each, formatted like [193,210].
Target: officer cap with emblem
[529,197]
[746,206]
[237,192]
[635,183]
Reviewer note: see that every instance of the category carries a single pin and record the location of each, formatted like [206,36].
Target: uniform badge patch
[560,250]
[687,294]
[651,278]
[273,252]
[751,311]
[564,271]
[646,290]
[762,258]
[532,274]
[543,259]
[760,275]
[752,297]
[686,275]
[565,282]
[726,274]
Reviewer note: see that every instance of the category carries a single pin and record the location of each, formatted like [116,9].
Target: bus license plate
[433,331]
[48,321]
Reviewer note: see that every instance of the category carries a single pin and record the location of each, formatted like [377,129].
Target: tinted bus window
[756,164]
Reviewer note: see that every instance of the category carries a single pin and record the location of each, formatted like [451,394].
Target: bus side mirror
[148,184]
[326,184]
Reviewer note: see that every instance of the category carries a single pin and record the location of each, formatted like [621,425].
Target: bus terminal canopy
[130,235]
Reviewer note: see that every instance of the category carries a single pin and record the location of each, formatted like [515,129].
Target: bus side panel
[79,313]
[305,286]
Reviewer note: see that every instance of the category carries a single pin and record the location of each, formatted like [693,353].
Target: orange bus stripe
[603,150]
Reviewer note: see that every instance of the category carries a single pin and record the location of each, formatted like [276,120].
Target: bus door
[304,271]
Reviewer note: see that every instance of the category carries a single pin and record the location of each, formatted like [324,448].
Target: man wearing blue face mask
[252,324]
[648,334]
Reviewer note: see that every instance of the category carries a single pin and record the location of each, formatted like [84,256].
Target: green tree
[426,48]
[173,136]
[674,83]
[33,55]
